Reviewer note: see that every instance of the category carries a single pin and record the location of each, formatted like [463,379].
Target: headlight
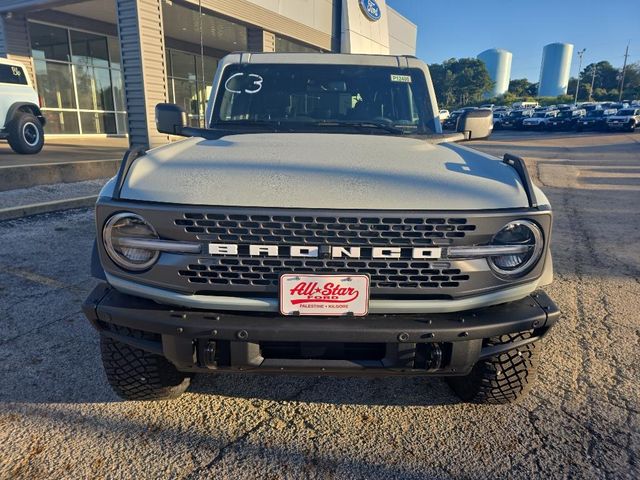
[525,234]
[119,236]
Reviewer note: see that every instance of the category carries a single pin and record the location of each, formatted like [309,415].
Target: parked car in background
[515,118]
[590,106]
[566,119]
[451,122]
[618,105]
[625,119]
[539,120]
[525,105]
[595,120]
[21,121]
[497,120]
[444,114]
[488,105]
[501,108]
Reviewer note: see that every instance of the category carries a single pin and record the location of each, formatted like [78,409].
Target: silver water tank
[498,63]
[554,72]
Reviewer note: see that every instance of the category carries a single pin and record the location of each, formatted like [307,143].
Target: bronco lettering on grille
[305,251]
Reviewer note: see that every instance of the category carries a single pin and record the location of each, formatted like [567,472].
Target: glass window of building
[189,82]
[190,74]
[79,80]
[291,46]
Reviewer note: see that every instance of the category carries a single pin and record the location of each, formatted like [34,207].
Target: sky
[464,28]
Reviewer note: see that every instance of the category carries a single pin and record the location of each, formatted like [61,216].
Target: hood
[620,117]
[333,171]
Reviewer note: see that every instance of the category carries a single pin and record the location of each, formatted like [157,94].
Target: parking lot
[59,418]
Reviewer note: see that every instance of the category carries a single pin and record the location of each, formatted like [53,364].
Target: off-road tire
[135,374]
[503,378]
[26,135]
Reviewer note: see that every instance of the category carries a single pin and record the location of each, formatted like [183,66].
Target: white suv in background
[21,121]
[539,120]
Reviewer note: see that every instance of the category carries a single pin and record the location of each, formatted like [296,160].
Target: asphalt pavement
[59,419]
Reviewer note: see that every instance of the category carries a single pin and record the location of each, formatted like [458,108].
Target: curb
[13,213]
[31,175]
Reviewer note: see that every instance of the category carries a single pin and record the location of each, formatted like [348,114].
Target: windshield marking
[257,82]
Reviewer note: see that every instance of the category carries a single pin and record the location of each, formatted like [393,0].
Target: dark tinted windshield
[516,114]
[626,112]
[595,113]
[307,96]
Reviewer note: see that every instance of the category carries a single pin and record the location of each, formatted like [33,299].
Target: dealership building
[101,66]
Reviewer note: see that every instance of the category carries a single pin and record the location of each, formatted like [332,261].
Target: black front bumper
[423,344]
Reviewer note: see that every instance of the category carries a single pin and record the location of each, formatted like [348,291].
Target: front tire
[136,374]
[26,135]
[503,378]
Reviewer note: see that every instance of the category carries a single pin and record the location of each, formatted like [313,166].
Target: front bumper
[418,344]
[618,126]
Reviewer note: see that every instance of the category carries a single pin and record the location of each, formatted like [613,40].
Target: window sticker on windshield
[401,78]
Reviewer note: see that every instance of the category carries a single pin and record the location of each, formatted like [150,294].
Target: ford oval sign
[371,9]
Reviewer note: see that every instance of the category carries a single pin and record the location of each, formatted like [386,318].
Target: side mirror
[170,118]
[476,124]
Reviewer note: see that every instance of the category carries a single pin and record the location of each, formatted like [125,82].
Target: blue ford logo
[371,9]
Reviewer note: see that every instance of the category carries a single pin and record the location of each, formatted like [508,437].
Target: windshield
[313,97]
[515,114]
[626,112]
[540,115]
[595,113]
[565,114]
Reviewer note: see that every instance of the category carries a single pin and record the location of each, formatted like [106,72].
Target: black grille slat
[266,272]
[309,230]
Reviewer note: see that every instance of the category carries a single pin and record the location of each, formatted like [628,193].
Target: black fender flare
[21,106]
[96,267]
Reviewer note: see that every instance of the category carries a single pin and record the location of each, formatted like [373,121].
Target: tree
[606,75]
[520,87]
[632,81]
[460,81]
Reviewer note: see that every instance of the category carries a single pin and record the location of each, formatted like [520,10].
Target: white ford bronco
[21,121]
[321,223]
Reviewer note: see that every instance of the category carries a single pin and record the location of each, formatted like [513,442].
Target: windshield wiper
[275,125]
[360,125]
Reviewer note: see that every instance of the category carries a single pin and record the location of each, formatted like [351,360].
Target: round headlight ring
[534,257]
[117,257]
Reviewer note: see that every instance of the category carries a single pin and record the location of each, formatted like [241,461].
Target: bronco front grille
[323,230]
[247,273]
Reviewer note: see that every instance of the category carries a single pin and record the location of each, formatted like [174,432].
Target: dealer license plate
[324,294]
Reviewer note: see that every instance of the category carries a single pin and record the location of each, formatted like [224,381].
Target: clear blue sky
[464,28]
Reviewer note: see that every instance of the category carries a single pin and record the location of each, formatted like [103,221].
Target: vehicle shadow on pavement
[336,390]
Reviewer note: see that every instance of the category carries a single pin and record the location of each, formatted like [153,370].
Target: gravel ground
[59,419]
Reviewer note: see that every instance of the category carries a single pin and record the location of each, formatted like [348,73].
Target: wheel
[26,135]
[503,378]
[632,128]
[135,374]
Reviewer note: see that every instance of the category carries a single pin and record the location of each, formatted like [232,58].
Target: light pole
[580,54]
